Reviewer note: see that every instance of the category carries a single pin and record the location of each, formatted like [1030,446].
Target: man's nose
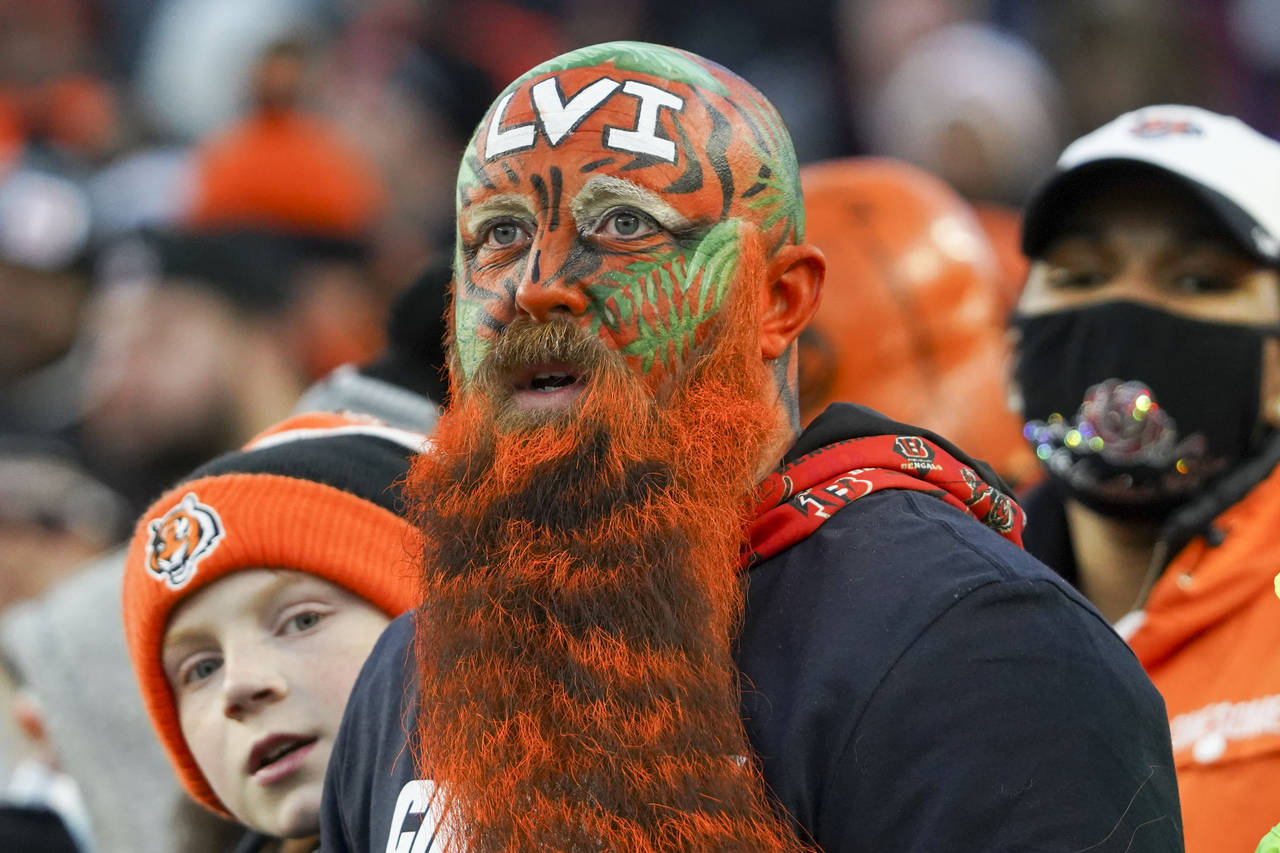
[1133,282]
[546,291]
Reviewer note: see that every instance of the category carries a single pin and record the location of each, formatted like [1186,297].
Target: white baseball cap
[1232,168]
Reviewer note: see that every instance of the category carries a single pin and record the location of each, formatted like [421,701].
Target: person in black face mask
[1148,371]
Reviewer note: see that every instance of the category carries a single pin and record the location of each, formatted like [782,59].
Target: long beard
[578,687]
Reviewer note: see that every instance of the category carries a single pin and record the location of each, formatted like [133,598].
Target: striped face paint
[615,184]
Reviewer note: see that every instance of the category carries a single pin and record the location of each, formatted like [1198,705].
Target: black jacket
[912,681]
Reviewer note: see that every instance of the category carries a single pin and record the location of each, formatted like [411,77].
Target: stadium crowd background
[206,206]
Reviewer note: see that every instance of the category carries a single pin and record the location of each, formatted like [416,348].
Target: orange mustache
[578,687]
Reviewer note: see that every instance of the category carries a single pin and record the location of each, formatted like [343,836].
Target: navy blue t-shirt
[912,681]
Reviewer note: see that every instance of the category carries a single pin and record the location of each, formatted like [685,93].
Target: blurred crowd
[209,207]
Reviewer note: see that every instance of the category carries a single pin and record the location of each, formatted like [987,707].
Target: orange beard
[578,687]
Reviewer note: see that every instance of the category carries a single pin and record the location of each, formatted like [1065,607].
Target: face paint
[628,174]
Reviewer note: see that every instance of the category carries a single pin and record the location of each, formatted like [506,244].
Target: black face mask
[1133,409]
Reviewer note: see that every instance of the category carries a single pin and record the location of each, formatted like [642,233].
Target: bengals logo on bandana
[180,539]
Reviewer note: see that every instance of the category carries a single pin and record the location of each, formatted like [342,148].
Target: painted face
[613,187]
[261,663]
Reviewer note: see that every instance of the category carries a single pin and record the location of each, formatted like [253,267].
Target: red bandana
[796,499]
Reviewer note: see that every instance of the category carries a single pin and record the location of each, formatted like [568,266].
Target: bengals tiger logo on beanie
[318,493]
[180,538]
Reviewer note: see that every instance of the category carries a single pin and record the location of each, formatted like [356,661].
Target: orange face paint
[625,173]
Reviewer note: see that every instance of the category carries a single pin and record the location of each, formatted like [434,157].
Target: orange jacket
[1209,637]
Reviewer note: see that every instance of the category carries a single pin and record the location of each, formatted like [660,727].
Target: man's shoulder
[899,571]
[863,643]
[914,545]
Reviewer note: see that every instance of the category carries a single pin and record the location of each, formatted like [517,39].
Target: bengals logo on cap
[1152,128]
[180,539]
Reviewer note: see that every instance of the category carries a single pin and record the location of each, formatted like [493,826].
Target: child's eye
[304,621]
[200,670]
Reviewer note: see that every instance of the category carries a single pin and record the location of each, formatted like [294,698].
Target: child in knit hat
[253,591]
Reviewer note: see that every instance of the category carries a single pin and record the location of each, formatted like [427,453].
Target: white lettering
[810,505]
[419,798]
[1231,721]
[499,141]
[560,118]
[644,139]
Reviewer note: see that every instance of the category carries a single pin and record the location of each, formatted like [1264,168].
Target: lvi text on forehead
[557,118]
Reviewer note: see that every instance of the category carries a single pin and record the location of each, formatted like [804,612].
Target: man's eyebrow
[602,192]
[1196,234]
[501,205]
[1202,234]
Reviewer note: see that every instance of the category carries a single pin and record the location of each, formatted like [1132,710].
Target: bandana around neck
[802,495]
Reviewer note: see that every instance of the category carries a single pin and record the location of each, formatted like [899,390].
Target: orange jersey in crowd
[1210,639]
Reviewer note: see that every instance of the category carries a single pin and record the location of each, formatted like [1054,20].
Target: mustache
[525,342]
[561,342]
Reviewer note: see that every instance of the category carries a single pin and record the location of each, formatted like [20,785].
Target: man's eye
[1193,284]
[504,234]
[627,224]
[200,670]
[1071,278]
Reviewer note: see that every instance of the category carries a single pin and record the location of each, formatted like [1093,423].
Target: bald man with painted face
[656,615]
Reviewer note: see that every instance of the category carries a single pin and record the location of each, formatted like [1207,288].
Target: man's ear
[793,286]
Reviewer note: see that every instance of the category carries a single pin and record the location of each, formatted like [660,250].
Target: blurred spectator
[281,169]
[11,133]
[51,91]
[85,747]
[149,187]
[45,228]
[405,384]
[1111,57]
[1149,376]
[874,35]
[399,84]
[790,57]
[1002,224]
[54,516]
[974,105]
[196,59]
[82,734]
[279,166]
[911,320]
[193,349]
[504,37]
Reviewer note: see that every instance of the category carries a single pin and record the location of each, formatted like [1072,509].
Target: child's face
[261,663]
